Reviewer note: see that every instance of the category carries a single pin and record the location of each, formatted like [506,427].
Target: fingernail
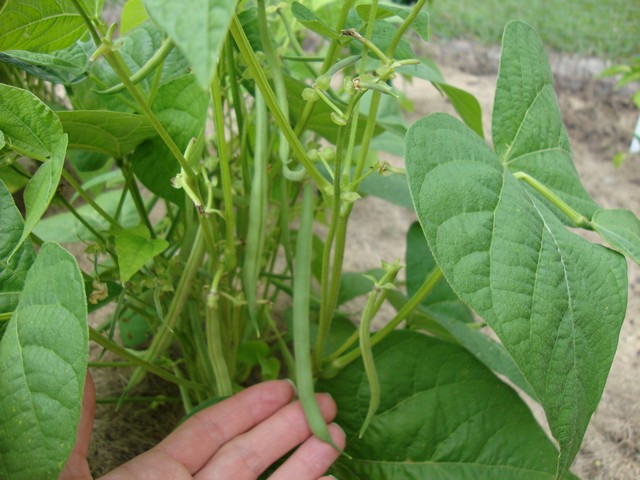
[341,429]
[293,385]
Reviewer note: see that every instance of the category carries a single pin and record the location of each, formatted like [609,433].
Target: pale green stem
[404,26]
[230,259]
[272,104]
[580,220]
[150,367]
[430,282]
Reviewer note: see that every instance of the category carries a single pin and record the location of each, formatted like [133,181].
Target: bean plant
[206,157]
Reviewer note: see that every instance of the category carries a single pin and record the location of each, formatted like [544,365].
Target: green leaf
[111,133]
[135,248]
[44,358]
[556,301]
[198,30]
[66,67]
[442,415]
[66,228]
[392,188]
[181,106]
[528,134]
[12,271]
[133,14]
[41,25]
[32,129]
[462,101]
[310,20]
[138,46]
[621,229]
[420,24]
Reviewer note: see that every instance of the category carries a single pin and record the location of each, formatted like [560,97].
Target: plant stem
[272,103]
[404,26]
[78,188]
[230,259]
[430,282]
[162,340]
[130,357]
[580,220]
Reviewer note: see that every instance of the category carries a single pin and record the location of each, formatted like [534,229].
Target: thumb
[77,467]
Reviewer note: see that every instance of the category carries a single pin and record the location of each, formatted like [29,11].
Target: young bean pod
[301,338]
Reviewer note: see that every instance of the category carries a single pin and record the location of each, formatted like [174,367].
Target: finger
[199,437]
[248,455]
[77,467]
[312,459]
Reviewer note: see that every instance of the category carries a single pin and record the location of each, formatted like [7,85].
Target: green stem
[162,340]
[230,259]
[130,357]
[430,282]
[404,26]
[272,103]
[580,220]
[82,220]
[87,198]
[119,67]
[137,200]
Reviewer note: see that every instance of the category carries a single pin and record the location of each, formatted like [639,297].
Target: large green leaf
[135,248]
[41,25]
[528,133]
[32,129]
[12,272]
[197,28]
[556,301]
[44,358]
[181,106]
[112,133]
[442,415]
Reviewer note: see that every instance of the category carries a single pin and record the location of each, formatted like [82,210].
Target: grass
[605,28]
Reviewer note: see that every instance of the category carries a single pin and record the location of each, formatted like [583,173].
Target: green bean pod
[301,337]
[257,212]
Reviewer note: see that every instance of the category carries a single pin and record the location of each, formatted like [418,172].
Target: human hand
[238,438]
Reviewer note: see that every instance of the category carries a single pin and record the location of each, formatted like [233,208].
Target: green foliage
[30,128]
[442,415]
[542,289]
[189,140]
[14,271]
[44,356]
[198,31]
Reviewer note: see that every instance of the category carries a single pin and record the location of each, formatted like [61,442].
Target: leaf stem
[577,218]
[130,357]
[430,282]
[404,26]
[87,198]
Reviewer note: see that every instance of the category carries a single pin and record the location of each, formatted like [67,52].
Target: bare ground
[600,122]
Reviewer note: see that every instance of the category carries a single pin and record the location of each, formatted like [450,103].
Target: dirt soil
[600,121]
